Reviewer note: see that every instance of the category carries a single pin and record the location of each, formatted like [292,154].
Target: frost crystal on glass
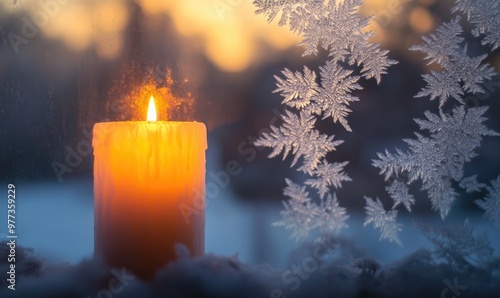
[460,73]
[399,192]
[303,216]
[298,136]
[485,15]
[470,184]
[437,156]
[297,89]
[328,175]
[458,246]
[383,220]
[439,159]
[333,25]
[309,95]
[331,99]
[491,203]
[335,95]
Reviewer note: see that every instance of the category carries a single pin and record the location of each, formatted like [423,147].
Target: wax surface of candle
[149,189]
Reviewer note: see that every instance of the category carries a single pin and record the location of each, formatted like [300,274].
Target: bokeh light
[229,31]
[421,21]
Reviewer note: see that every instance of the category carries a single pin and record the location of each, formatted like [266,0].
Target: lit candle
[145,174]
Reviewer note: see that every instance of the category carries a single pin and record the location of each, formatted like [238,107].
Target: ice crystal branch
[460,73]
[335,95]
[298,137]
[491,203]
[297,89]
[437,157]
[399,192]
[302,215]
[485,15]
[331,99]
[438,160]
[333,25]
[470,184]
[336,27]
[458,246]
[328,175]
[383,220]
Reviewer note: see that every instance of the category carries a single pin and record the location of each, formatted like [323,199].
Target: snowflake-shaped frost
[383,220]
[333,25]
[485,15]
[298,136]
[328,175]
[302,216]
[335,95]
[331,99]
[470,184]
[399,192]
[491,203]
[297,89]
[439,159]
[337,27]
[460,73]
[458,246]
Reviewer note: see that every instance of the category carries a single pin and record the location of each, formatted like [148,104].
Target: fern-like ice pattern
[436,157]
[461,73]
[491,203]
[450,139]
[383,220]
[336,27]
[485,15]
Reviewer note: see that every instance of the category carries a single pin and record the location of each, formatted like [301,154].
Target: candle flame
[151,109]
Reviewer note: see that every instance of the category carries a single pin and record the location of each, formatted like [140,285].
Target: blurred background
[65,65]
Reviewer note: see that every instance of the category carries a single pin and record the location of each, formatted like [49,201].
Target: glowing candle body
[146,175]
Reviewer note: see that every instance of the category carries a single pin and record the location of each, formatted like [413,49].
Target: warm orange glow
[149,187]
[421,20]
[99,24]
[231,34]
[172,106]
[151,109]
[227,32]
